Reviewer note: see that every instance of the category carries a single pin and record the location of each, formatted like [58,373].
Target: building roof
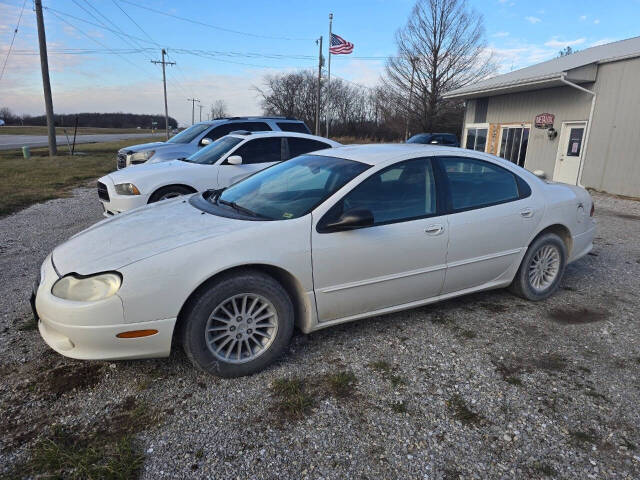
[579,67]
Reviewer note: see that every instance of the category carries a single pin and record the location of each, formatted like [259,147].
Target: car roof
[277,133]
[376,153]
[217,121]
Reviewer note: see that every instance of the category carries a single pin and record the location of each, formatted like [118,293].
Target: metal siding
[612,160]
[565,103]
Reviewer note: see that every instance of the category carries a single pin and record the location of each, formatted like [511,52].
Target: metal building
[576,118]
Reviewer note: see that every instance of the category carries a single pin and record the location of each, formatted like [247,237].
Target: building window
[476,139]
[513,144]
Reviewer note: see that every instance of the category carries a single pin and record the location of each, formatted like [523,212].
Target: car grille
[103,193]
[122,160]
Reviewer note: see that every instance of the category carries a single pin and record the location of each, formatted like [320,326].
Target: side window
[251,126]
[221,131]
[260,150]
[299,146]
[298,127]
[474,183]
[450,140]
[402,192]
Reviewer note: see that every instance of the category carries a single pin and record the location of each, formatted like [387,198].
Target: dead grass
[42,130]
[462,412]
[41,178]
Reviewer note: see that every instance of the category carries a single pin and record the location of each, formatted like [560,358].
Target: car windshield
[290,189]
[212,153]
[189,134]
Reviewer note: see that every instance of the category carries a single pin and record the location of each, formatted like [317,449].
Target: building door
[569,152]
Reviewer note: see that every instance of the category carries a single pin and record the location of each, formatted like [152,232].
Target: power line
[134,22]
[196,22]
[15,32]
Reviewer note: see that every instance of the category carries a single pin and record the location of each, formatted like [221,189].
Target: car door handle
[526,213]
[434,229]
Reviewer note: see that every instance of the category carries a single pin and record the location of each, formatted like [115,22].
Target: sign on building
[544,120]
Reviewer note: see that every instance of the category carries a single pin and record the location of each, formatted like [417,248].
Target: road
[8,142]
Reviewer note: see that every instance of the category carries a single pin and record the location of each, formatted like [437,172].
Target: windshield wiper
[238,208]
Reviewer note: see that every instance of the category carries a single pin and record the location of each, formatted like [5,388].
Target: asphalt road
[9,142]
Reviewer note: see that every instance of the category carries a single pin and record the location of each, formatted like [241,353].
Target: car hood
[145,170]
[141,233]
[144,146]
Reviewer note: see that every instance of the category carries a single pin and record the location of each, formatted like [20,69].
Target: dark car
[448,139]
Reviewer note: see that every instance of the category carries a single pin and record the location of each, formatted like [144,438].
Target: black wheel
[238,326]
[169,192]
[541,269]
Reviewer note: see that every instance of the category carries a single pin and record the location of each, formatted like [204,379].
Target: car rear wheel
[238,326]
[171,191]
[541,269]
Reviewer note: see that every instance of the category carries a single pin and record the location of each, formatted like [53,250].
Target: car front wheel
[171,191]
[541,269]
[238,326]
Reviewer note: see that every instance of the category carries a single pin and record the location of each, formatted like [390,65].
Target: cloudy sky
[101,50]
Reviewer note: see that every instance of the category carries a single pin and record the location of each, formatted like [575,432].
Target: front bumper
[120,203]
[87,330]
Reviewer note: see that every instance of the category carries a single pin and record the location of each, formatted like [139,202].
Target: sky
[101,50]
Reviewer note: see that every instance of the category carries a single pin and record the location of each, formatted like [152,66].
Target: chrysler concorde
[321,239]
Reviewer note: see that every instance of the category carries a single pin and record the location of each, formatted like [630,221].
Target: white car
[217,165]
[319,240]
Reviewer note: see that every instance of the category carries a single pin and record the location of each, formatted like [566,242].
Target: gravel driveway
[483,386]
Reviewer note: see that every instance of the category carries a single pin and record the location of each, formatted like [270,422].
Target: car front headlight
[127,189]
[87,289]
[141,157]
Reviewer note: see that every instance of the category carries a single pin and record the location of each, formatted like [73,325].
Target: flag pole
[329,72]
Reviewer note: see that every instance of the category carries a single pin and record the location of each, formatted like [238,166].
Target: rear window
[298,127]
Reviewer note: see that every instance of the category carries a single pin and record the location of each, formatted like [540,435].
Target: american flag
[339,46]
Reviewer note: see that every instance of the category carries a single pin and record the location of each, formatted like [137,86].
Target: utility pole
[44,66]
[319,42]
[413,60]
[329,72]
[193,108]
[200,107]
[164,83]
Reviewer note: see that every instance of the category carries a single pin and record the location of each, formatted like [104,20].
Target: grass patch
[341,384]
[41,178]
[295,397]
[386,369]
[545,469]
[469,334]
[293,401]
[400,407]
[462,412]
[583,437]
[513,380]
[105,450]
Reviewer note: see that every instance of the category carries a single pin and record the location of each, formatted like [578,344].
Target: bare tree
[445,39]
[218,109]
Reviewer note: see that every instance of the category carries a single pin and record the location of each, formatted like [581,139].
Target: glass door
[513,144]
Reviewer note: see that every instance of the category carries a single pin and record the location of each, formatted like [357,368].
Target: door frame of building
[522,125]
[566,129]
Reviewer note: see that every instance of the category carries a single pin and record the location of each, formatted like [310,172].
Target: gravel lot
[487,385]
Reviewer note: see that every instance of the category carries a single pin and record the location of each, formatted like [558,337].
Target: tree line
[442,47]
[98,120]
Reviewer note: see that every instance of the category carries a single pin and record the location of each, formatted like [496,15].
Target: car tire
[542,268]
[171,191]
[202,324]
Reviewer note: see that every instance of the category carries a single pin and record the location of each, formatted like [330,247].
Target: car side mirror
[350,220]
[234,160]
[206,141]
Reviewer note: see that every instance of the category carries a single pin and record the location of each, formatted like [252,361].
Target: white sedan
[217,165]
[318,240]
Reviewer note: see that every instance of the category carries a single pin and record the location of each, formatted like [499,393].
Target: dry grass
[42,130]
[41,178]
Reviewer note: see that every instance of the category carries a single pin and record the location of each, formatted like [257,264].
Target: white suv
[202,134]
[225,161]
